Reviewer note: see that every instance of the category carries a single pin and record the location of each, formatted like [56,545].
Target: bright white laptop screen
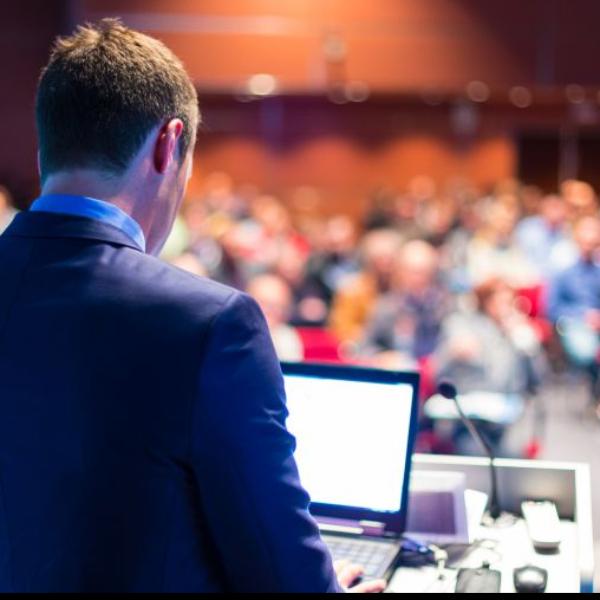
[353,440]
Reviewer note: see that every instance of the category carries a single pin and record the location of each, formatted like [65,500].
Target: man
[546,238]
[143,445]
[357,297]
[408,320]
[575,303]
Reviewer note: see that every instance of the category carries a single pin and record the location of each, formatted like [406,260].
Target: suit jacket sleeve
[243,457]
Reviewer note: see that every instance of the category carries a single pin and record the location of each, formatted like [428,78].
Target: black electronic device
[531,580]
[479,581]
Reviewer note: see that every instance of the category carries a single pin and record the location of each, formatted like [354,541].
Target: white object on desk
[442,511]
[568,485]
[543,523]
[512,550]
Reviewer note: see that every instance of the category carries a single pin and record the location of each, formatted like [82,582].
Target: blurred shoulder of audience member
[275,298]
[7,209]
[493,253]
[190,263]
[358,295]
[408,319]
[493,349]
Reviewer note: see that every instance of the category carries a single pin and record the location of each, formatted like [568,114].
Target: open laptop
[355,430]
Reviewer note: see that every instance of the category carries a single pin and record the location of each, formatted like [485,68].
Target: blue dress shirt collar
[89,208]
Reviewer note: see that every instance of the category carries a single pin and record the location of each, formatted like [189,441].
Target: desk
[568,485]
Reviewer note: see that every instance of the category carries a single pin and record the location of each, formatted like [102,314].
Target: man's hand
[348,573]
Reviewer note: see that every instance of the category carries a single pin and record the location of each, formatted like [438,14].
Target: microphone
[448,390]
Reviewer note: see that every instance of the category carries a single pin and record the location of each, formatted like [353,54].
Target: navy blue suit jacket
[143,444]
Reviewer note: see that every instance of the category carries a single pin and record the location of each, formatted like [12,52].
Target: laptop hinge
[352,528]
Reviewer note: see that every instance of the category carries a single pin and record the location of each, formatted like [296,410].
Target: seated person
[494,356]
[575,303]
[357,298]
[328,268]
[408,320]
[493,252]
[274,296]
[494,349]
[546,238]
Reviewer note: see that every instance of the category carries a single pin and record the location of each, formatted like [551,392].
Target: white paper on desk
[438,513]
[477,503]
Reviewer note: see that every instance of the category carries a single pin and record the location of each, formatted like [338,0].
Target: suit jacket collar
[53,226]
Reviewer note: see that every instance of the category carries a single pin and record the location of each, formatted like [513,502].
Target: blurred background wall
[348,96]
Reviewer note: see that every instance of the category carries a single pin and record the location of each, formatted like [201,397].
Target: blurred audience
[275,298]
[358,296]
[494,253]
[456,282]
[546,238]
[329,267]
[493,348]
[407,321]
[575,303]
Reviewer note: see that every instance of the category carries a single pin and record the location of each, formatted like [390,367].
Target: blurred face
[272,215]
[587,236]
[381,254]
[500,305]
[580,196]
[417,269]
[555,211]
[441,218]
[275,299]
[291,265]
[504,222]
[341,236]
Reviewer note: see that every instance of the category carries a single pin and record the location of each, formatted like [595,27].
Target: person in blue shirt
[546,238]
[143,437]
[575,303]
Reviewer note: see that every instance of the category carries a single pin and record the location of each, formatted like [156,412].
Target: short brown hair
[488,290]
[103,92]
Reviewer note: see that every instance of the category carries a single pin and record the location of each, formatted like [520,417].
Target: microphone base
[504,521]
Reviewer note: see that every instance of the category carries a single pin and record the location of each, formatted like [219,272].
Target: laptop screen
[354,431]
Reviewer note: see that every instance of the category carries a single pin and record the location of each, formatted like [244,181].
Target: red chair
[320,346]
[532,302]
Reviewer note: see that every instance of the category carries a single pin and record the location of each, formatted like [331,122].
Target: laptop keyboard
[375,557]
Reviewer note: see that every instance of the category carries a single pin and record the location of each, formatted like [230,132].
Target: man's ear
[167,145]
